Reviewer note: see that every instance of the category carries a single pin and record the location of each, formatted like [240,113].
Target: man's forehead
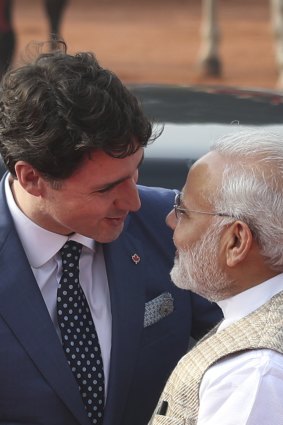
[210,159]
[205,175]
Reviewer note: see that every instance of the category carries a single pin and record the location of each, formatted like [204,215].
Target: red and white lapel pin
[136,258]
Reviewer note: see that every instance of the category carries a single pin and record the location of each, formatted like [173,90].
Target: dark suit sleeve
[205,315]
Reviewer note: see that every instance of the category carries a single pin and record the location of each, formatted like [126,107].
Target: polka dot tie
[79,337]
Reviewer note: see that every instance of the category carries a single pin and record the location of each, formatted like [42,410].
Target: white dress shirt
[42,250]
[246,389]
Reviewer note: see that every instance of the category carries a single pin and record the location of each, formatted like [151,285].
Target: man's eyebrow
[182,199]
[110,185]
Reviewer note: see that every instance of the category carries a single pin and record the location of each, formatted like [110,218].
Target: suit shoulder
[156,199]
[156,203]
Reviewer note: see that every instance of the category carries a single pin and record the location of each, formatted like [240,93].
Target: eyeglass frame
[178,209]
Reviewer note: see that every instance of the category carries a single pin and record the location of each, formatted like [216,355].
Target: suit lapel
[127,304]
[22,306]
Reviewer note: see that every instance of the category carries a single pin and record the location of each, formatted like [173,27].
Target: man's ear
[238,242]
[29,178]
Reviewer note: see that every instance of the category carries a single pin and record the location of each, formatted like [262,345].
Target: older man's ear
[237,241]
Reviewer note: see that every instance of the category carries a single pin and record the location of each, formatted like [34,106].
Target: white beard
[196,268]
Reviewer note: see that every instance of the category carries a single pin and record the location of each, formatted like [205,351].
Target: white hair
[252,187]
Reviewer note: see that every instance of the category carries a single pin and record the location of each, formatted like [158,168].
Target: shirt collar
[240,305]
[39,244]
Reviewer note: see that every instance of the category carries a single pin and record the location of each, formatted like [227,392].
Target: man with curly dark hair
[87,308]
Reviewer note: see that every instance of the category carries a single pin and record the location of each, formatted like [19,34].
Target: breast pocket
[158,308]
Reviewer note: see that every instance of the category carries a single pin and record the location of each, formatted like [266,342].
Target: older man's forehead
[204,176]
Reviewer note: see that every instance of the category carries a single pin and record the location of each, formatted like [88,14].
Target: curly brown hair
[61,107]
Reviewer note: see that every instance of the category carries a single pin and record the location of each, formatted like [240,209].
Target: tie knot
[71,252]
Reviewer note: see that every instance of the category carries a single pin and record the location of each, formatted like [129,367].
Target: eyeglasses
[179,210]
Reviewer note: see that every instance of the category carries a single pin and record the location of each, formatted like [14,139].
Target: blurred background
[158,41]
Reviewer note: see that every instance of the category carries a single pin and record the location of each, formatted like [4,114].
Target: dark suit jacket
[36,383]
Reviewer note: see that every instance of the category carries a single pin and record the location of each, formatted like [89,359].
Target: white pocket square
[158,308]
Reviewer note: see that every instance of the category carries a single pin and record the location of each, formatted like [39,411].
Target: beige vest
[261,329]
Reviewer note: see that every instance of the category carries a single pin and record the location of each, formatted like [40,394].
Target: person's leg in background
[54,10]
[7,36]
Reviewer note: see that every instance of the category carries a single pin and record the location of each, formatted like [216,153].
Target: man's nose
[129,199]
[171,219]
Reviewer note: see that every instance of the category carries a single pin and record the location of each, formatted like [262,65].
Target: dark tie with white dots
[79,337]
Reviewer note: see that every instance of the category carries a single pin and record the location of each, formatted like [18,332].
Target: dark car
[193,117]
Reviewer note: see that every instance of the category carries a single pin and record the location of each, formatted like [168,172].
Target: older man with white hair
[228,231]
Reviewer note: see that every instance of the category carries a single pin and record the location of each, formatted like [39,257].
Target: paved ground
[158,40]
